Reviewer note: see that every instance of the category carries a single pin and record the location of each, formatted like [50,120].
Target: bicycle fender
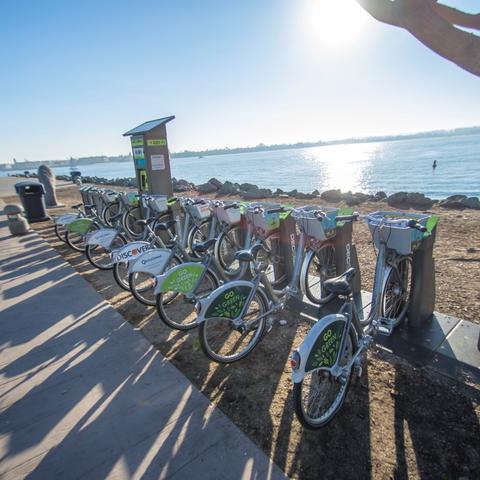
[130,251]
[152,261]
[66,219]
[103,237]
[182,278]
[321,347]
[226,301]
[80,225]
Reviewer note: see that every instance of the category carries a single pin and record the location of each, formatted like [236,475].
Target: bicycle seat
[204,246]
[340,285]
[248,255]
[89,206]
[77,206]
[166,225]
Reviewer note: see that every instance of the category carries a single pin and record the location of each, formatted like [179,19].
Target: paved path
[84,395]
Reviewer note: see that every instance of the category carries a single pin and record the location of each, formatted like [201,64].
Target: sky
[75,75]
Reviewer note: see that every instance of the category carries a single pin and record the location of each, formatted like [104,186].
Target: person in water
[434,165]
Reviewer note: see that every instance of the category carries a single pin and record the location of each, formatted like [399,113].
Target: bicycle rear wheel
[319,396]
[321,266]
[223,342]
[120,274]
[177,311]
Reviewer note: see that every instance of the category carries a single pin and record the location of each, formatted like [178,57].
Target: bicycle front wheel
[321,266]
[320,396]
[397,291]
[198,234]
[129,222]
[228,243]
[178,311]
[60,232]
[109,212]
[270,255]
[223,342]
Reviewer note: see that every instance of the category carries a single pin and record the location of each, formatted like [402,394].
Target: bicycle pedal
[385,327]
[358,367]
[269,324]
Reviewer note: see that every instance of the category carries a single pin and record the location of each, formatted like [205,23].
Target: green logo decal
[229,303]
[325,351]
[82,226]
[157,142]
[137,141]
[183,279]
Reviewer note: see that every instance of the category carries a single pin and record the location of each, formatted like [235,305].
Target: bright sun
[334,22]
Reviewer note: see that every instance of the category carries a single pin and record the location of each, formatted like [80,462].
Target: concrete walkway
[83,395]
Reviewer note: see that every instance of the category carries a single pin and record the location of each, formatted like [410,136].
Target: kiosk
[151,156]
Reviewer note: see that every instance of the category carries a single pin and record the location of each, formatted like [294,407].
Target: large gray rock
[471,202]
[304,196]
[419,201]
[207,188]
[216,182]
[248,187]
[47,178]
[332,195]
[398,199]
[256,194]
[228,188]
[379,196]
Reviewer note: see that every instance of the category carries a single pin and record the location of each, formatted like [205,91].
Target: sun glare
[334,23]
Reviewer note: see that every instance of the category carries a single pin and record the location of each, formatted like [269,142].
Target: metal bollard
[17,223]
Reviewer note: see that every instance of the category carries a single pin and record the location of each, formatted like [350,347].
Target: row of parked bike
[221,266]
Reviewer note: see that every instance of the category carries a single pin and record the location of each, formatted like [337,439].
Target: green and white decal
[229,302]
[157,142]
[82,226]
[182,278]
[326,348]
[137,141]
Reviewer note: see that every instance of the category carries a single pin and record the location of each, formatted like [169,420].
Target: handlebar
[232,205]
[198,202]
[417,226]
[348,218]
[276,210]
[319,215]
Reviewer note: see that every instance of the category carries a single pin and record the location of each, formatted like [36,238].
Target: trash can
[32,196]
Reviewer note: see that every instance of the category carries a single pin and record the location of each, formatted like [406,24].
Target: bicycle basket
[201,211]
[395,231]
[231,216]
[313,227]
[109,197]
[263,220]
[158,203]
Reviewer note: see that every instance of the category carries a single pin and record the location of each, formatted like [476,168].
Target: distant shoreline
[465,131]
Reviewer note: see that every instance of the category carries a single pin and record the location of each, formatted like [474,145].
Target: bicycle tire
[229,242]
[322,262]
[60,232]
[138,293]
[265,254]
[211,323]
[184,309]
[91,249]
[298,389]
[198,234]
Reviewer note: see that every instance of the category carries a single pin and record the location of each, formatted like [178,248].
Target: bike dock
[82,394]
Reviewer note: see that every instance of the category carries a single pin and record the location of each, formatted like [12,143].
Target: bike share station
[151,159]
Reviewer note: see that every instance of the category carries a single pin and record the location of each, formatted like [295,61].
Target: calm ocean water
[404,165]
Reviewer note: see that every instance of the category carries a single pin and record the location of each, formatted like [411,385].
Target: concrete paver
[82,394]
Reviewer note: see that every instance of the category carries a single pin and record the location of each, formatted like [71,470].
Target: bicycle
[324,364]
[235,317]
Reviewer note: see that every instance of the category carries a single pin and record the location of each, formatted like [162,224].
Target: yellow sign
[157,142]
[137,141]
